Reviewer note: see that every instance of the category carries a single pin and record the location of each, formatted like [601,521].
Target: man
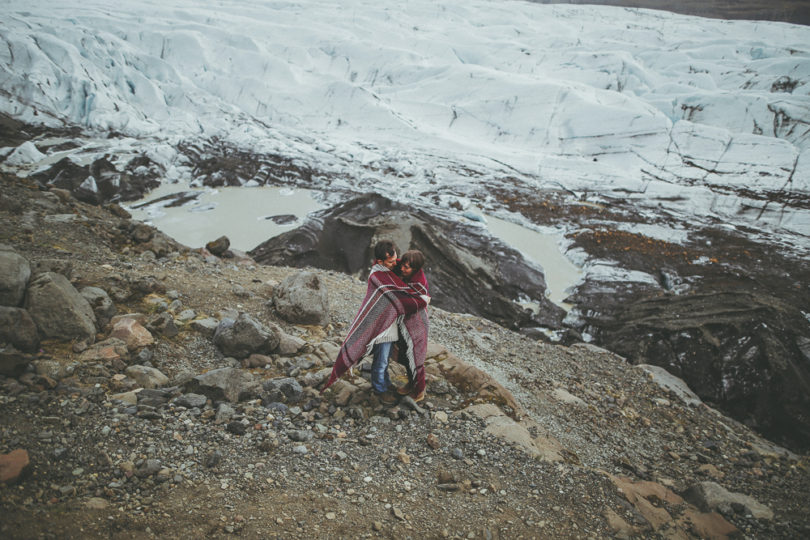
[389,302]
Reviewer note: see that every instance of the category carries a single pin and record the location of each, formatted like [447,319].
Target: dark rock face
[101,181]
[468,270]
[744,352]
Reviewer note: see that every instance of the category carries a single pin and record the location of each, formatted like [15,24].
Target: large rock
[710,496]
[14,275]
[18,328]
[742,352]
[283,390]
[219,246]
[301,299]
[244,336]
[131,332]
[230,384]
[101,303]
[58,308]
[469,271]
[147,377]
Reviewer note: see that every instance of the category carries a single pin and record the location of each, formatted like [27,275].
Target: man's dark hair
[384,249]
[414,258]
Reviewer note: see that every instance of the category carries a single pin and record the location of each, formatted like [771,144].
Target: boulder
[206,327]
[219,246]
[289,345]
[14,275]
[163,324]
[147,377]
[58,309]
[191,400]
[244,336]
[282,390]
[18,328]
[710,496]
[131,332]
[101,303]
[231,384]
[301,299]
[109,351]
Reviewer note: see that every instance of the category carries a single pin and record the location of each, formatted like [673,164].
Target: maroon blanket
[387,300]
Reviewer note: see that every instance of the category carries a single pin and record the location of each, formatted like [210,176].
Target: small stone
[457,453]
[377,526]
[96,503]
[397,513]
[403,457]
[440,416]
[433,441]
[330,515]
[300,449]
[12,466]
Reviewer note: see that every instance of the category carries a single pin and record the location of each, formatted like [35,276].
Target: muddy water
[542,249]
[240,213]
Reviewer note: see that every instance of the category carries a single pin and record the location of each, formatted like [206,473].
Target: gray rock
[230,384]
[58,309]
[206,327]
[190,400]
[147,377]
[163,324]
[224,412]
[14,275]
[300,435]
[301,299]
[212,459]
[710,496]
[667,381]
[289,345]
[242,337]
[148,468]
[187,315]
[101,303]
[284,390]
[18,328]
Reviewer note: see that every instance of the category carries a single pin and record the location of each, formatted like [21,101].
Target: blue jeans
[380,381]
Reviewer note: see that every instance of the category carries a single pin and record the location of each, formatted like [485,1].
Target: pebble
[300,449]
[457,453]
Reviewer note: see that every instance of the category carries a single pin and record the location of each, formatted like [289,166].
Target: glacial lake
[246,216]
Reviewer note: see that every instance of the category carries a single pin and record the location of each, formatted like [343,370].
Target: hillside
[516,438]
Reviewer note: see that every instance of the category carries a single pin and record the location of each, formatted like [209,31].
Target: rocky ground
[516,438]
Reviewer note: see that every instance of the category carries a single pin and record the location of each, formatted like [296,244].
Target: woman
[410,352]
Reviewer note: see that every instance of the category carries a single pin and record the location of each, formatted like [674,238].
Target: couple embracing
[393,312]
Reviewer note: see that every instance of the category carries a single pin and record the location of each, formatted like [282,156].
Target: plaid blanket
[388,300]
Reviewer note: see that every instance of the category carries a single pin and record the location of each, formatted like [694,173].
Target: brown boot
[405,390]
[418,396]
